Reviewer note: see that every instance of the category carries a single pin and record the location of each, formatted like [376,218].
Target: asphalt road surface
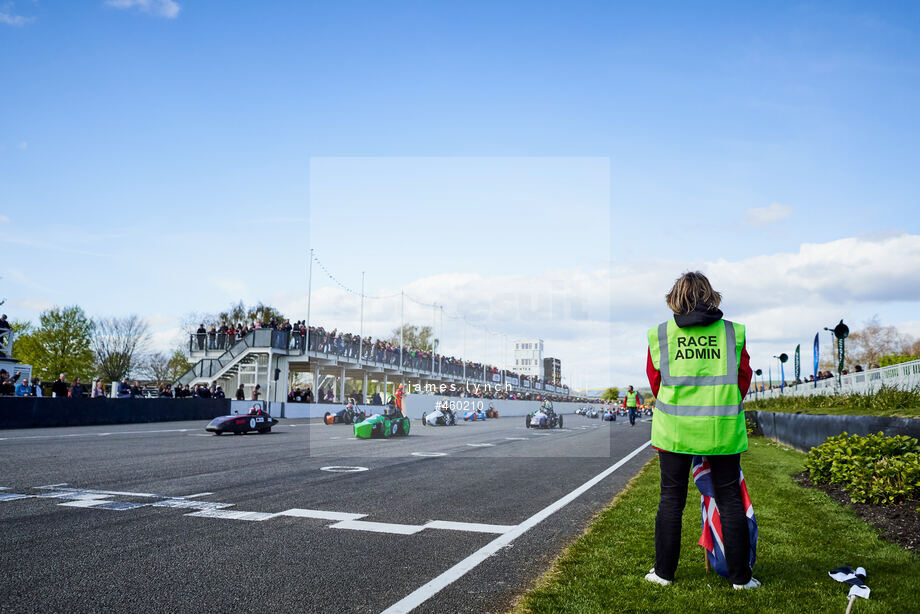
[165,518]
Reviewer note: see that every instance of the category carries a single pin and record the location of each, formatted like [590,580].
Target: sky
[539,169]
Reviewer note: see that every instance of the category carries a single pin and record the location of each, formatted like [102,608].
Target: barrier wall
[805,431]
[20,412]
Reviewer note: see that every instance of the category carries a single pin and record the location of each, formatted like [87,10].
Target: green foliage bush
[884,399]
[871,469]
[751,425]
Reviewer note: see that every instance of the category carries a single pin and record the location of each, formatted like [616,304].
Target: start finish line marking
[86,498]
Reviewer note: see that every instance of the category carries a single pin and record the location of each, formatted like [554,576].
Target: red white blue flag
[711,537]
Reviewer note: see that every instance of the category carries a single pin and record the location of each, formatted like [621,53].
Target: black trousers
[675,475]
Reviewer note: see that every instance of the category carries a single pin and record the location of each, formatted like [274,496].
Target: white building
[528,357]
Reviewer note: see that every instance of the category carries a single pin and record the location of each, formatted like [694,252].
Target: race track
[164,517]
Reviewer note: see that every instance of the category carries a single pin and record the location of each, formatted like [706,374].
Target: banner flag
[816,360]
[840,354]
[798,364]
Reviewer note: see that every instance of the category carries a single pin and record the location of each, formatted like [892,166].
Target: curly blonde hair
[691,290]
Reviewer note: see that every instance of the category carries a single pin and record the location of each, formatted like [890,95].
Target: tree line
[65,340]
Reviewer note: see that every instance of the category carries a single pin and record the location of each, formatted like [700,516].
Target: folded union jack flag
[711,537]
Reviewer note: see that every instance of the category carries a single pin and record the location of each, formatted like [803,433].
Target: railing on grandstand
[6,344]
[902,375]
[228,347]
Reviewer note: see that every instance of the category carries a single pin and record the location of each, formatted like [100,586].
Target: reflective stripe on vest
[731,363]
[699,410]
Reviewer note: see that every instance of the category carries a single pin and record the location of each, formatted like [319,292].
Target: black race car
[350,414]
[256,420]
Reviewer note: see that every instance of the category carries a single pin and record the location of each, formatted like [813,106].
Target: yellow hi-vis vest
[632,399]
[699,408]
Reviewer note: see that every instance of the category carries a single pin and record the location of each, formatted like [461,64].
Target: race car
[609,415]
[476,414]
[379,426]
[349,414]
[543,418]
[256,420]
[441,415]
[591,413]
[491,412]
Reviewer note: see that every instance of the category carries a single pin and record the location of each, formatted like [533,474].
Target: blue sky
[164,157]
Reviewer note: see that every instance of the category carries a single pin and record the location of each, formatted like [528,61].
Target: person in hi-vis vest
[699,370]
[631,403]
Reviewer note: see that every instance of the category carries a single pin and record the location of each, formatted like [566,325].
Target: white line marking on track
[378,527]
[480,445]
[343,469]
[321,514]
[429,454]
[99,434]
[474,527]
[431,588]
[517,438]
[233,515]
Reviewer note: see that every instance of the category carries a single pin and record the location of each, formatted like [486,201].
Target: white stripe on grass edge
[429,590]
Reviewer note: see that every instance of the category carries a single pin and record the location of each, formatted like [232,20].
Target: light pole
[782,375]
[309,298]
[840,332]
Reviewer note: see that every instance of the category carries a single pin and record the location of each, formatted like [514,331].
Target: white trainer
[752,583]
[651,576]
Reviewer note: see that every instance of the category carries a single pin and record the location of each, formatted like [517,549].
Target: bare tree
[873,341]
[163,368]
[118,343]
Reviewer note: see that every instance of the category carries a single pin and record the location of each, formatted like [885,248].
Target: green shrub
[872,469]
[751,425]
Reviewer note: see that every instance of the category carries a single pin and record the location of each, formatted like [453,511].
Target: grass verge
[803,535]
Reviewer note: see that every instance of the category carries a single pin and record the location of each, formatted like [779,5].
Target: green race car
[382,426]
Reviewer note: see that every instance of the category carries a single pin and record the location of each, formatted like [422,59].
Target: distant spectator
[60,387]
[136,390]
[240,393]
[7,383]
[124,389]
[858,369]
[186,392]
[165,392]
[256,392]
[200,335]
[37,387]
[76,389]
[376,400]
[98,389]
[24,389]
[308,397]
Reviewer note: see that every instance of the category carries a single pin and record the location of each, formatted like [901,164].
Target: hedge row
[871,469]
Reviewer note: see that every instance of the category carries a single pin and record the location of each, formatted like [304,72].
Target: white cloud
[4,219]
[9,19]
[595,320]
[764,216]
[168,9]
